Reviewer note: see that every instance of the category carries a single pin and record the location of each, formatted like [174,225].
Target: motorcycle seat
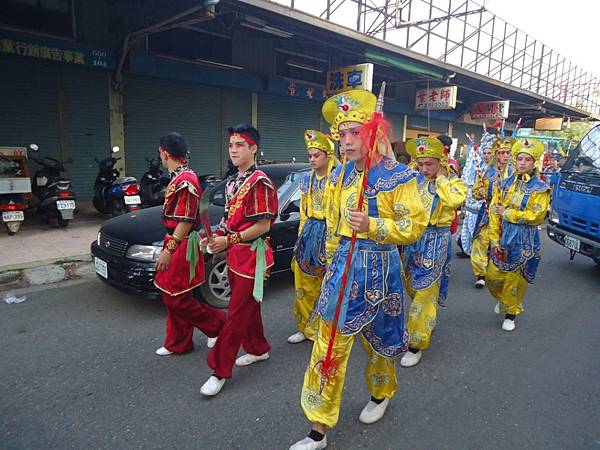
[126,180]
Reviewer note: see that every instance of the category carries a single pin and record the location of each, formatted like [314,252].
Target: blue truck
[574,220]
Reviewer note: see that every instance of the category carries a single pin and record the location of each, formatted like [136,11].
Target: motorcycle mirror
[115,149]
[34,147]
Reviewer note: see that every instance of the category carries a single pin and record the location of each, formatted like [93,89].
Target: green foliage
[573,134]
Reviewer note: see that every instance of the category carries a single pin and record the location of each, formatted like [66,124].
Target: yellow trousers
[422,315]
[507,287]
[479,252]
[320,401]
[308,289]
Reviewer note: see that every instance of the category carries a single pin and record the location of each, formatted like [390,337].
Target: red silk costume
[250,197]
[183,311]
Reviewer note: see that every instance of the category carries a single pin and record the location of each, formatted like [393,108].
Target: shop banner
[56,50]
[351,77]
[490,110]
[436,98]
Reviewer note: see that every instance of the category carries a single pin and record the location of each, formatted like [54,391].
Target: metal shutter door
[86,117]
[155,107]
[29,112]
[282,122]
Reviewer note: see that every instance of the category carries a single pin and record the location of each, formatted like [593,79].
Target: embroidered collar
[179,170]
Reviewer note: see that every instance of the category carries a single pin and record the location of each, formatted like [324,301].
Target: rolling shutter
[282,122]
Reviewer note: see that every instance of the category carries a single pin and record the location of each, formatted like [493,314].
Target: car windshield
[585,159]
[289,180]
[282,179]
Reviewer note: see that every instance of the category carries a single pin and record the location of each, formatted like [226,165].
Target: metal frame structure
[464,33]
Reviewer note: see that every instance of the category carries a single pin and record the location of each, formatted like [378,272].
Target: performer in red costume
[250,210]
[177,273]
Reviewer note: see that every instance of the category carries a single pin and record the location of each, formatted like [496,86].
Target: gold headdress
[532,147]
[356,105]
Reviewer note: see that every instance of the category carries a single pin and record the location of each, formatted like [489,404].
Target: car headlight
[554,217]
[144,252]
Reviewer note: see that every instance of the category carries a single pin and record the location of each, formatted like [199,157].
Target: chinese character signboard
[48,49]
[490,110]
[351,77]
[436,98]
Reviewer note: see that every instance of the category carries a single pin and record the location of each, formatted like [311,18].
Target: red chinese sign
[490,110]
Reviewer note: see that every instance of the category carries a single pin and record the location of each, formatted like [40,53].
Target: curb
[45,272]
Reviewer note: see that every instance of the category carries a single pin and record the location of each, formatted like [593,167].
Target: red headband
[245,137]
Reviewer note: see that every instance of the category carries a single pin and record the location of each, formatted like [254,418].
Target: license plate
[13,216]
[65,204]
[132,200]
[101,267]
[572,243]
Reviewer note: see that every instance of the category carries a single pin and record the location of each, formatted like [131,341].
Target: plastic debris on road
[11,298]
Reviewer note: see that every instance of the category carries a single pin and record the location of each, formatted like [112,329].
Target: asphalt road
[78,371]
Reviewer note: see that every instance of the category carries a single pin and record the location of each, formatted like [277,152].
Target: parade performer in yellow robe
[499,169]
[518,207]
[309,260]
[372,302]
[427,261]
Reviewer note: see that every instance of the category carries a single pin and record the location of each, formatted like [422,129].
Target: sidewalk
[38,243]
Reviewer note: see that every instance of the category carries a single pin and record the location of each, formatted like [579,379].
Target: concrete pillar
[255,110]
[116,125]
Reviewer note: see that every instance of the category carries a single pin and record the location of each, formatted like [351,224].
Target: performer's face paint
[317,158]
[503,156]
[487,154]
[350,141]
[428,167]
[241,151]
[524,163]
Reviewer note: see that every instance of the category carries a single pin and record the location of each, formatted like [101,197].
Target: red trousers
[243,328]
[183,314]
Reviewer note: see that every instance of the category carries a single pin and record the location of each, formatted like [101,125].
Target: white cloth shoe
[163,352]
[308,444]
[247,359]
[212,386]
[508,325]
[296,338]
[411,359]
[480,284]
[372,412]
[210,342]
[497,308]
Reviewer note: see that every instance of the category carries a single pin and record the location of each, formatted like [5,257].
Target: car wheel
[216,290]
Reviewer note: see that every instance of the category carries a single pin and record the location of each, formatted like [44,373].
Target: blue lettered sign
[56,50]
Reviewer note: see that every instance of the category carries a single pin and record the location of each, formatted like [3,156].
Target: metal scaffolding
[465,34]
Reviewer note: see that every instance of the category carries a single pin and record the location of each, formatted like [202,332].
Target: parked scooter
[53,192]
[112,194]
[153,184]
[12,204]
